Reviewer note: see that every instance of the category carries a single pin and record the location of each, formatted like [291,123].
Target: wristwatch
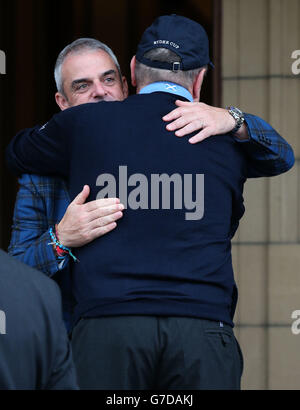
[238,116]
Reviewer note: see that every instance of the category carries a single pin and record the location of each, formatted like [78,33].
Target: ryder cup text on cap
[185,37]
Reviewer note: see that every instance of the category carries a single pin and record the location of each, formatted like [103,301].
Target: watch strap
[238,116]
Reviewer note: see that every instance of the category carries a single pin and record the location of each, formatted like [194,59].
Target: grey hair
[145,74]
[77,47]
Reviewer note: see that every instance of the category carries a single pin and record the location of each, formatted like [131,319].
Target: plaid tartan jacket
[42,201]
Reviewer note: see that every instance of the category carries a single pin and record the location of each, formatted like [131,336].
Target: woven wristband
[60,249]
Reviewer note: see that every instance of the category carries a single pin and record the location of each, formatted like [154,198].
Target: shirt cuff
[249,133]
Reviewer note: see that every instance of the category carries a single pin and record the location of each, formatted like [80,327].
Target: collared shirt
[167,87]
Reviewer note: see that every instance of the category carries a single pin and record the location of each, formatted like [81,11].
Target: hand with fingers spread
[84,222]
[189,117]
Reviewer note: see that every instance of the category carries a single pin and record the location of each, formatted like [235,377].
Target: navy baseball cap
[179,34]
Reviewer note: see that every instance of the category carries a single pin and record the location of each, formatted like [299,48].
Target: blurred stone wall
[259,37]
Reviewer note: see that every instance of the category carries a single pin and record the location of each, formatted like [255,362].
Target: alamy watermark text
[2,323]
[296,64]
[184,195]
[2,62]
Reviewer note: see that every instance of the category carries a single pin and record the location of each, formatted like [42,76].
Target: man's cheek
[82,99]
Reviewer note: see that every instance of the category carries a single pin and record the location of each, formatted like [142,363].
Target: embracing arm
[39,150]
[30,230]
[267,152]
[78,223]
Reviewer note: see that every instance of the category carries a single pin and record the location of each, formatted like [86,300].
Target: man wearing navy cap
[156,299]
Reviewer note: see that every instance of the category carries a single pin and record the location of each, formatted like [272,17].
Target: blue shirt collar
[167,87]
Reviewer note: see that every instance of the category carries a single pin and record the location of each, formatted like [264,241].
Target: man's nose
[98,90]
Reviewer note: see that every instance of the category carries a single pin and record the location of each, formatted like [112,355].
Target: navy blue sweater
[167,260]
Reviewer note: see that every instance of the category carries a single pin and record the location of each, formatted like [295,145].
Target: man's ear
[198,84]
[61,101]
[125,86]
[132,71]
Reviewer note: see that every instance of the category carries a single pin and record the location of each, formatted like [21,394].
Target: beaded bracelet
[61,250]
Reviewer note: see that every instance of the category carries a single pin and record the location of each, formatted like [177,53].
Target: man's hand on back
[84,222]
[195,116]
